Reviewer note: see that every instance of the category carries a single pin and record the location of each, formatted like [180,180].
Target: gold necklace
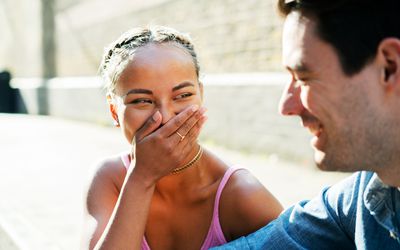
[190,163]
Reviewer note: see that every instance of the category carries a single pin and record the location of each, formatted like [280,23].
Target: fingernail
[195,108]
[156,116]
[203,120]
[203,110]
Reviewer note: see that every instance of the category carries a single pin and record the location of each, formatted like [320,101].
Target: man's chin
[320,160]
[330,163]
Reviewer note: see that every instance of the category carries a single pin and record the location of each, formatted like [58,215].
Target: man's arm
[327,221]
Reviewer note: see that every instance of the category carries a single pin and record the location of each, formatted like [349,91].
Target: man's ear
[112,106]
[389,52]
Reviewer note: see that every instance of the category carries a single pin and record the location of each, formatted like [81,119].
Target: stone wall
[230,35]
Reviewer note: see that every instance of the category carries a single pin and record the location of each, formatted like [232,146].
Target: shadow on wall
[10,99]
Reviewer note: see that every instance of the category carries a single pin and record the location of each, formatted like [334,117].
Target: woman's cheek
[135,119]
[183,106]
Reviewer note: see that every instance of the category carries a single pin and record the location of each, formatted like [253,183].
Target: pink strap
[215,236]
[221,187]
[126,159]
[145,245]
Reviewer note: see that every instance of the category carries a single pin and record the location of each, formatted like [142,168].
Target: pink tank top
[215,236]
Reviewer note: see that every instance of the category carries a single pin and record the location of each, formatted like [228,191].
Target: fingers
[192,135]
[148,127]
[184,129]
[157,155]
[174,124]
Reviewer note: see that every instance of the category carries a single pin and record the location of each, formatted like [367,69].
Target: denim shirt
[359,212]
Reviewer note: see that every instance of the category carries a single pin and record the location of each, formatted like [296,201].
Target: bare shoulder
[109,168]
[254,206]
[106,179]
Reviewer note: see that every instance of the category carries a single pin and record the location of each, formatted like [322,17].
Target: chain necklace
[190,163]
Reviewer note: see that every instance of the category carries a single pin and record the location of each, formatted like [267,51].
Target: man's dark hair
[354,28]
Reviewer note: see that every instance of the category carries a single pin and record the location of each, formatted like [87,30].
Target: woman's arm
[101,198]
[156,154]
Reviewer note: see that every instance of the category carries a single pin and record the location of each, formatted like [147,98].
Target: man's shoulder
[327,220]
[345,200]
[354,184]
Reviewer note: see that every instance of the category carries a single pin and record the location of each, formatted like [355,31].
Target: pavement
[46,162]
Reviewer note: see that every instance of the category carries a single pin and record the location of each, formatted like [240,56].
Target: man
[344,59]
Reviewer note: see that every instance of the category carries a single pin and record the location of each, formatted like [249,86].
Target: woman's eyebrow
[138,91]
[182,85]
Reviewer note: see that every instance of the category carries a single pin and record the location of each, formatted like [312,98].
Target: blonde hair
[119,53]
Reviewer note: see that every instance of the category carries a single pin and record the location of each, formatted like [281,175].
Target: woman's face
[160,77]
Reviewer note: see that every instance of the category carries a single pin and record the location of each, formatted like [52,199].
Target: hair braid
[118,54]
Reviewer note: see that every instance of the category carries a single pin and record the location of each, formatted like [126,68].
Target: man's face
[343,113]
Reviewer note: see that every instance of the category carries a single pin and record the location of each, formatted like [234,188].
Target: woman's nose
[167,112]
[290,103]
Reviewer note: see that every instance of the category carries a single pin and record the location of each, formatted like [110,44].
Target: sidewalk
[42,194]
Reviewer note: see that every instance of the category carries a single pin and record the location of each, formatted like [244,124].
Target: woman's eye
[141,101]
[184,95]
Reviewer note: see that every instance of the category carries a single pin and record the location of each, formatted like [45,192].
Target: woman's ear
[389,50]
[113,109]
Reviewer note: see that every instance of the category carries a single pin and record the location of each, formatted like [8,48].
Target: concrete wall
[20,43]
[242,111]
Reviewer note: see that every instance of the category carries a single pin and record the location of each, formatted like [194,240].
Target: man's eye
[300,82]
[182,96]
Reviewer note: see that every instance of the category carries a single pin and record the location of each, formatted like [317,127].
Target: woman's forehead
[156,51]
[158,65]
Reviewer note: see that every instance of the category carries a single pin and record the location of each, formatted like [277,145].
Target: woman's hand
[156,152]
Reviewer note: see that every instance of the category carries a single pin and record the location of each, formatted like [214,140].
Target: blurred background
[54,121]
[53,48]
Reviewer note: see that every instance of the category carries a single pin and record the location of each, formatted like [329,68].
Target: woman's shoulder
[254,205]
[110,165]
[242,185]
[239,178]
[108,172]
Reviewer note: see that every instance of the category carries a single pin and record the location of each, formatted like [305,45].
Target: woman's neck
[184,182]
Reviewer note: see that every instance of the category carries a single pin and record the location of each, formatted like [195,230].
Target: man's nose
[290,103]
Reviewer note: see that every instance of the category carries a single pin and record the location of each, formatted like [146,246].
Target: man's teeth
[315,130]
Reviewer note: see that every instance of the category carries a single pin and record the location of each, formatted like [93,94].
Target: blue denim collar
[380,200]
[376,194]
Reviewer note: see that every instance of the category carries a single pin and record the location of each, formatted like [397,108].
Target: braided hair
[120,52]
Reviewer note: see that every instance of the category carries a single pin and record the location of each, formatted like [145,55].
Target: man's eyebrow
[182,85]
[138,91]
[300,68]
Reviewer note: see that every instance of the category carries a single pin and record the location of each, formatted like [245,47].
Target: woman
[169,192]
